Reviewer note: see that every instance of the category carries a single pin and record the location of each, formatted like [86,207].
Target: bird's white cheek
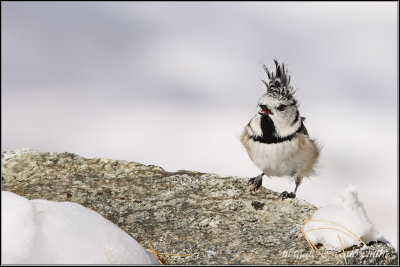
[283,129]
[255,125]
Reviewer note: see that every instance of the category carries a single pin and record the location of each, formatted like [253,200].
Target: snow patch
[17,228]
[345,218]
[47,232]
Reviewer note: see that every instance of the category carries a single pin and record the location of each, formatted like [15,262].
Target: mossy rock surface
[188,217]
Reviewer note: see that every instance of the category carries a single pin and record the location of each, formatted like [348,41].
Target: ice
[345,218]
[47,232]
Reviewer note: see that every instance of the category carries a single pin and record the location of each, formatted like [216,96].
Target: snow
[18,230]
[342,217]
[47,232]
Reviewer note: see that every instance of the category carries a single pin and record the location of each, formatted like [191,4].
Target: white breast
[274,159]
[299,155]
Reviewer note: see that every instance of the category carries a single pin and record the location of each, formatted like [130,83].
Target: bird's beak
[263,113]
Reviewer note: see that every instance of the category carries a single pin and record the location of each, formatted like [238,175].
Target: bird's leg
[298,181]
[285,194]
[256,182]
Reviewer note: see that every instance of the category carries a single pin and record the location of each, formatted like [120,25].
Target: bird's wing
[304,129]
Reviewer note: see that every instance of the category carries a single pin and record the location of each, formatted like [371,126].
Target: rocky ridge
[187,217]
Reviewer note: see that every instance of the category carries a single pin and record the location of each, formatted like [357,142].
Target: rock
[187,217]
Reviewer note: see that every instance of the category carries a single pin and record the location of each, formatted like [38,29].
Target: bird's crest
[278,84]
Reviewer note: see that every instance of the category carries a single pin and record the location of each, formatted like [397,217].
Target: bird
[276,138]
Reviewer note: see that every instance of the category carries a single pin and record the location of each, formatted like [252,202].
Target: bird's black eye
[282,107]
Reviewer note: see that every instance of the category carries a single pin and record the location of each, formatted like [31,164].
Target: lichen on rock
[188,217]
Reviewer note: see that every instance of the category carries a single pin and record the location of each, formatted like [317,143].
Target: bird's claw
[255,182]
[251,180]
[286,194]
